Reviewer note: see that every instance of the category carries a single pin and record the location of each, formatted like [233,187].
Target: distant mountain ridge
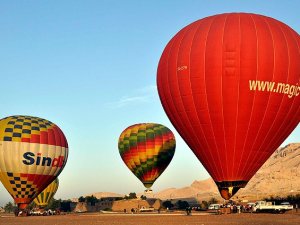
[105,195]
[280,175]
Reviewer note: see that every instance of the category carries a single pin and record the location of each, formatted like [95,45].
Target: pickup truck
[263,206]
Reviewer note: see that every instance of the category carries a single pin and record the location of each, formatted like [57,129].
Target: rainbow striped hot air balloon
[147,149]
[43,199]
[33,152]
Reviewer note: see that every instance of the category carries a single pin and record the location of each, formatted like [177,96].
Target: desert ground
[161,219]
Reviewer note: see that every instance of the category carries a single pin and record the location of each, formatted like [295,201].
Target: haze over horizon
[90,67]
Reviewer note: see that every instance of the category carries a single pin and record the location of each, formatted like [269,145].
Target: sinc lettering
[31,159]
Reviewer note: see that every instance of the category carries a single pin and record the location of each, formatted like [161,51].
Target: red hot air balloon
[230,85]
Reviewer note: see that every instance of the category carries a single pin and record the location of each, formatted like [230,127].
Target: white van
[214,206]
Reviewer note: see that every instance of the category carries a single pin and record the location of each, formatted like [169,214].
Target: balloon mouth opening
[228,189]
[22,203]
[22,206]
[148,185]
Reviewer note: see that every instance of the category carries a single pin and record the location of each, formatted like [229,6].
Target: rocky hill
[280,175]
[100,195]
[105,195]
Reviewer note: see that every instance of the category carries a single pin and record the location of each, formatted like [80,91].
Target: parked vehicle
[214,206]
[145,209]
[263,206]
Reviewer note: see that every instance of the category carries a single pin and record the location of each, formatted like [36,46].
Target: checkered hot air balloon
[43,199]
[147,149]
[33,152]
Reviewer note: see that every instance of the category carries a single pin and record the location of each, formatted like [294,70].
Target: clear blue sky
[90,67]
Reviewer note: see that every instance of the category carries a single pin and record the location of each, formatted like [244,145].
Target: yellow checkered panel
[21,186]
[19,128]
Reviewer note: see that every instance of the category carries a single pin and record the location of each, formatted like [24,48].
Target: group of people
[235,208]
[36,212]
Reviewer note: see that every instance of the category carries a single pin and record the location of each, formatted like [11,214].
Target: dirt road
[155,219]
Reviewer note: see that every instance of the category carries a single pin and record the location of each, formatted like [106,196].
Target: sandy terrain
[162,219]
[279,176]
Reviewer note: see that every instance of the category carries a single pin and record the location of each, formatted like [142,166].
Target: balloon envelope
[147,149]
[33,152]
[43,199]
[230,85]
